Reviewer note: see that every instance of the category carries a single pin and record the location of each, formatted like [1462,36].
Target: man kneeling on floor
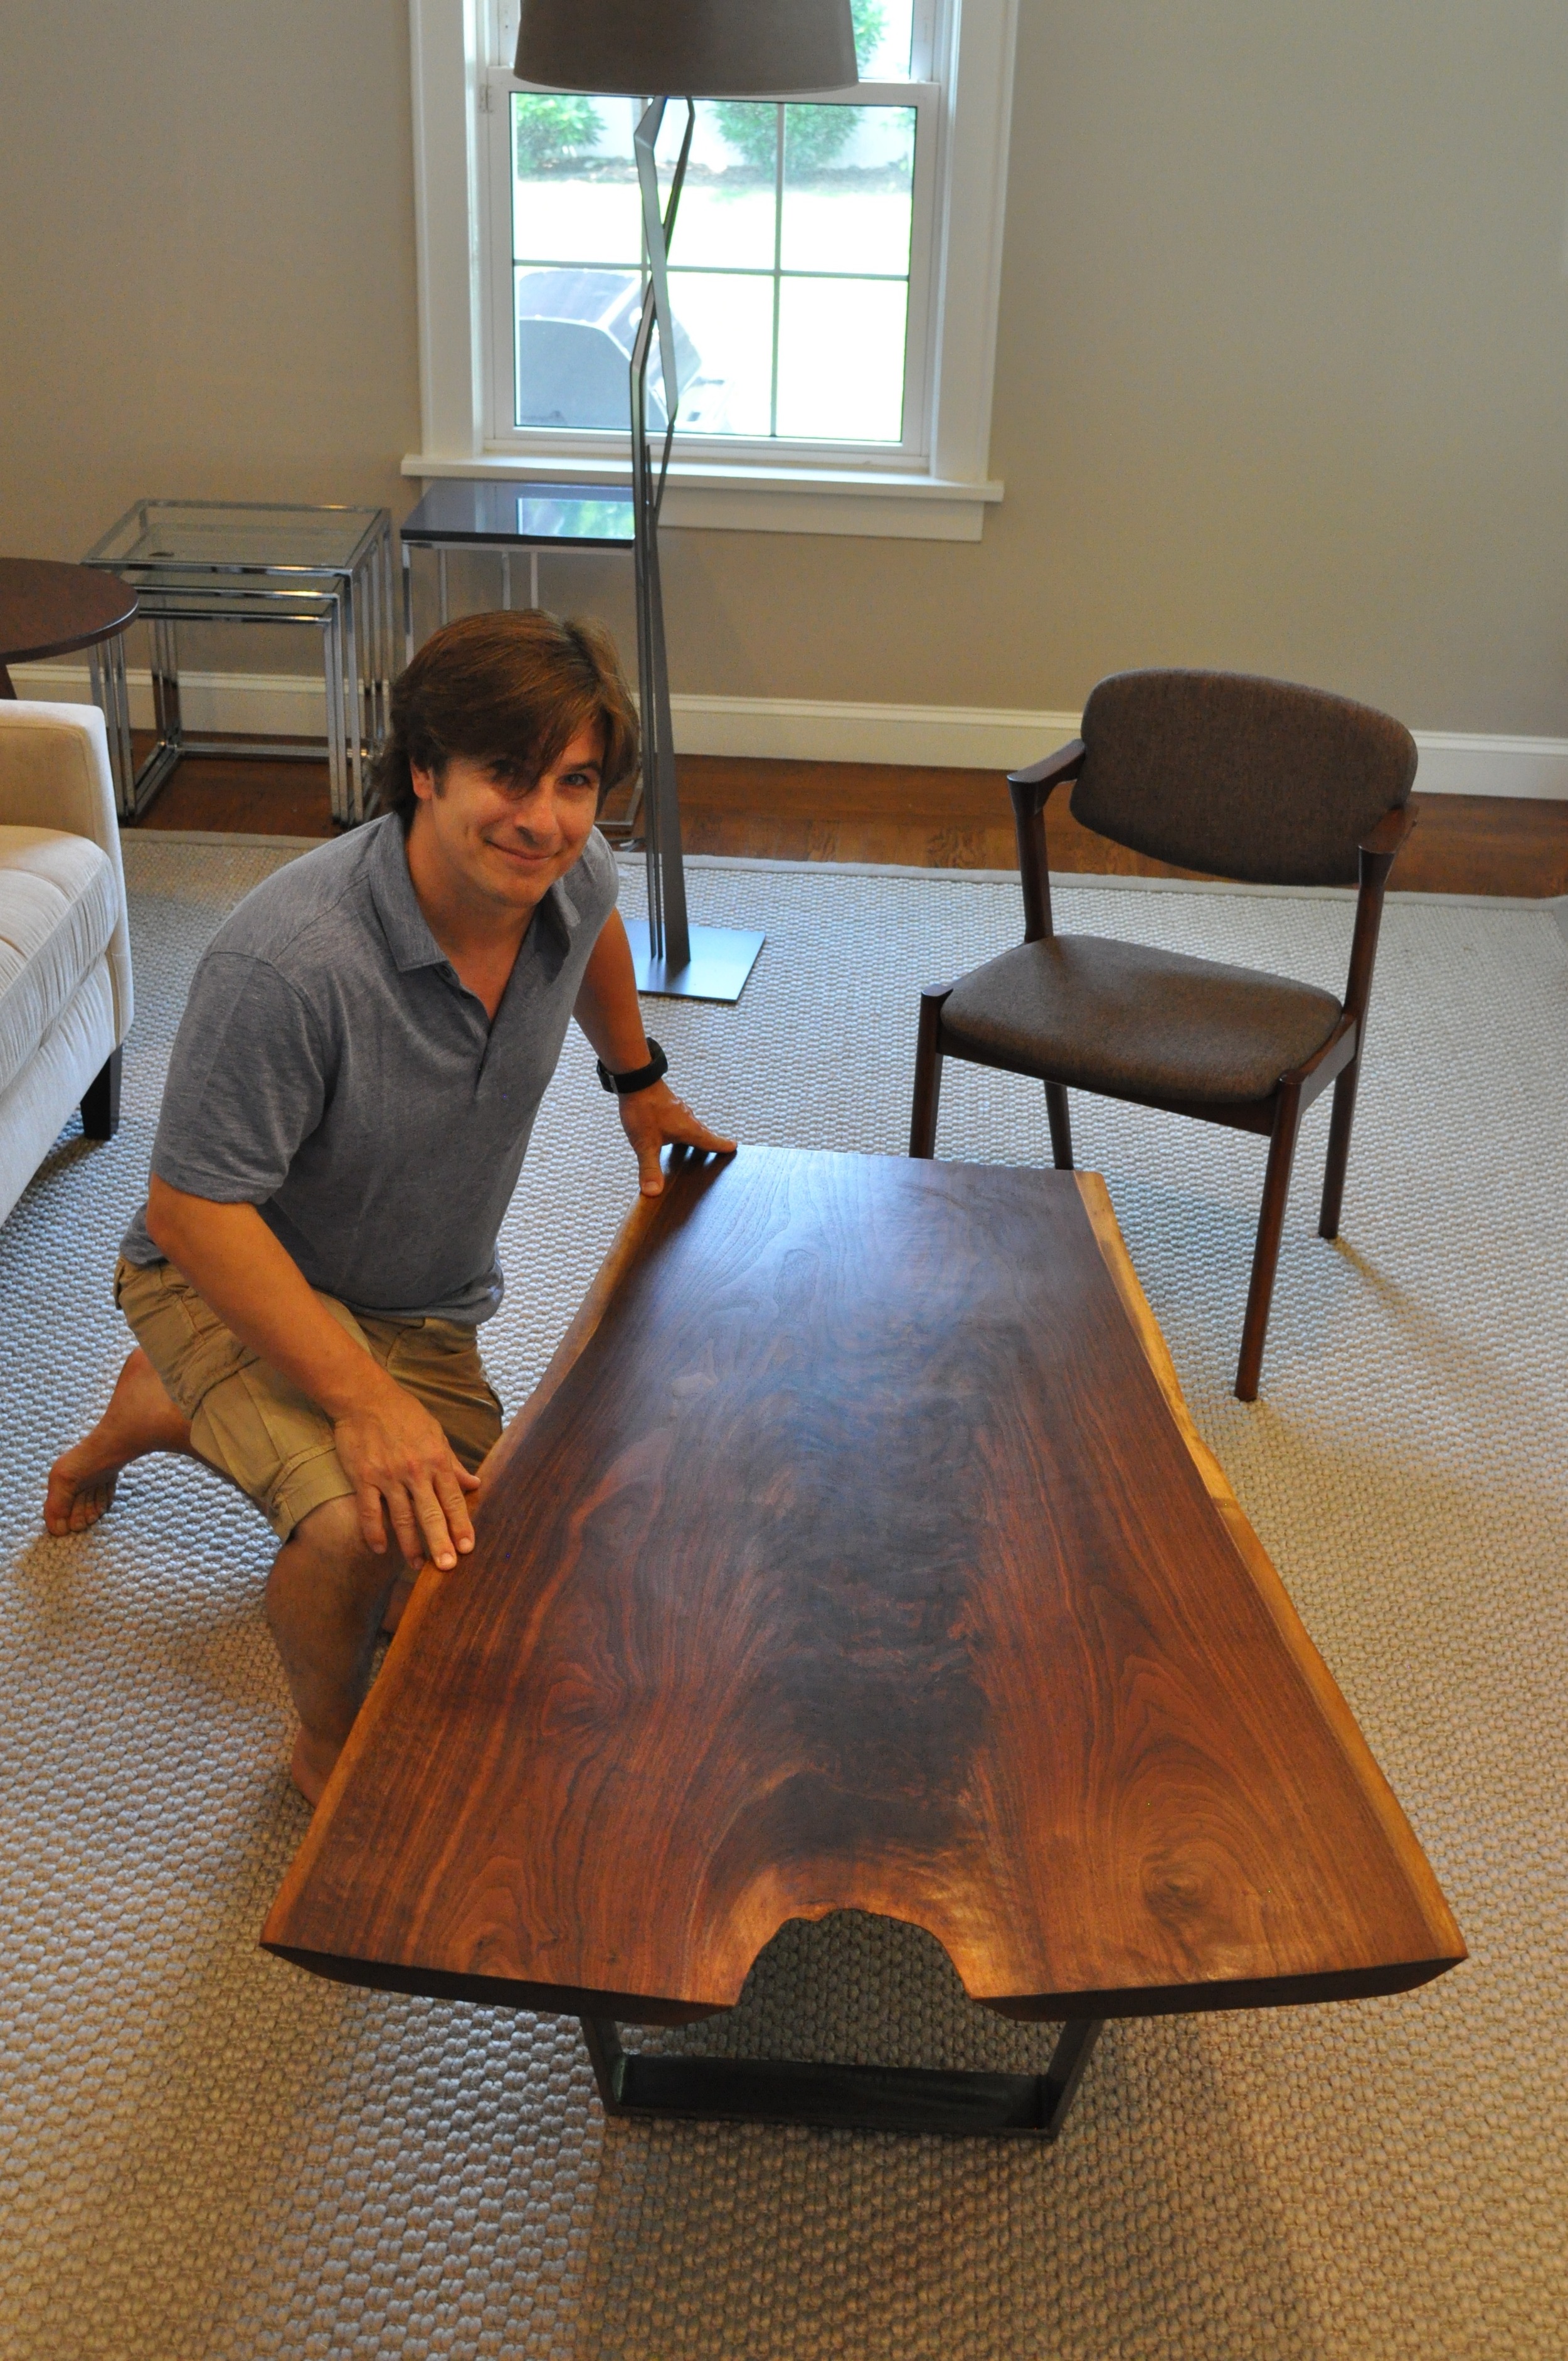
[348,1104]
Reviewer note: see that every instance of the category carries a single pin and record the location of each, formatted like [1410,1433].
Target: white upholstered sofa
[65,955]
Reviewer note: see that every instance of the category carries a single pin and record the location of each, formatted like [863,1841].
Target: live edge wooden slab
[856,1551]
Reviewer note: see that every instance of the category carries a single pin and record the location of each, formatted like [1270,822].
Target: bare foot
[140,1418]
[311,1764]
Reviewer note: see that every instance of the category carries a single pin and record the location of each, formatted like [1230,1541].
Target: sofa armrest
[54,773]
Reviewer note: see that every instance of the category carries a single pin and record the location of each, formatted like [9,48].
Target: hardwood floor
[916,818]
[962,819]
[241,798]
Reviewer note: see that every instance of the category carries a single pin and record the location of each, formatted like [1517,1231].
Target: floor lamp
[689,48]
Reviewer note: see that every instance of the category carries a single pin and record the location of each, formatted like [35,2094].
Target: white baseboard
[291,705]
[1460,763]
[260,704]
[943,737]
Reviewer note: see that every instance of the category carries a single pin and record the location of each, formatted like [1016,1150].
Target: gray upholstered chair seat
[1123,1019]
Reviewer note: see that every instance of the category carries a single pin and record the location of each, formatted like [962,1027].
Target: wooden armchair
[1256,780]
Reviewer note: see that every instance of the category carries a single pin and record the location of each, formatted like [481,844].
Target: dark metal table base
[842,2098]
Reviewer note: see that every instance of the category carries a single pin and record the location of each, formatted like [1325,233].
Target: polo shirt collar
[406,927]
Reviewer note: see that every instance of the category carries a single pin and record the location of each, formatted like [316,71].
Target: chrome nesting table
[255,561]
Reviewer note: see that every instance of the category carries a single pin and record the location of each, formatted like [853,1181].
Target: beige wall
[1282,383]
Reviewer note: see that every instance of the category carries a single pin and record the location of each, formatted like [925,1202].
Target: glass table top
[290,589]
[247,582]
[457,509]
[158,537]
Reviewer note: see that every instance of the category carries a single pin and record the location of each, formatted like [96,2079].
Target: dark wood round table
[47,608]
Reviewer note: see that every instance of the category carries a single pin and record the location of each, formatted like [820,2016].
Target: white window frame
[936,486]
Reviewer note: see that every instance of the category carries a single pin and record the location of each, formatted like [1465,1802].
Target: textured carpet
[205,2153]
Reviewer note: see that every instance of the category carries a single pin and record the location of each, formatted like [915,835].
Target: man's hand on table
[654,1119]
[406,1475]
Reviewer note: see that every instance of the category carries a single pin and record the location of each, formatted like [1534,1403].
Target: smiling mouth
[516,853]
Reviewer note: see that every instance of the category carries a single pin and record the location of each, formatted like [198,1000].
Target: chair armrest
[1377,858]
[1030,790]
[1390,831]
[1030,787]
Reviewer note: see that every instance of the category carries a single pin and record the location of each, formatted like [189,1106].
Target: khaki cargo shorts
[253,1426]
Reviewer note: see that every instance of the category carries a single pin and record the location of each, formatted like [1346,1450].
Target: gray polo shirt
[332,1070]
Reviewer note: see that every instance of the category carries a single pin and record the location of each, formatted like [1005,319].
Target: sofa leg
[101,1101]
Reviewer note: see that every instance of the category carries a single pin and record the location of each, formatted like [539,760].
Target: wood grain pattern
[1255,1557]
[860,1555]
[961,819]
[885,812]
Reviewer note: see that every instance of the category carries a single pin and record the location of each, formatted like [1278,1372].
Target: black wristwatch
[641,1078]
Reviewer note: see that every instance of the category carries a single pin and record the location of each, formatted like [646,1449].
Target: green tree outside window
[547,129]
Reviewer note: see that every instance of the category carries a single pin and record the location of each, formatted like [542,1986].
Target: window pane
[848,188]
[883,31]
[726,220]
[841,358]
[574,196]
[841,240]
[727,366]
[575,330]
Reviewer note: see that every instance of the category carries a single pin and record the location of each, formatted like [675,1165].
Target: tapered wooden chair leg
[927,1072]
[1266,1255]
[1338,1156]
[1060,1123]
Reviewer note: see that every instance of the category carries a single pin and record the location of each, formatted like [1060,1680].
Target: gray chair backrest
[1248,778]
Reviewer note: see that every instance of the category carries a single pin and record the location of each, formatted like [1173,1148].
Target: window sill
[708,497]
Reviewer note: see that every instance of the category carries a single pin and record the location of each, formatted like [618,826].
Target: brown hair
[511,689]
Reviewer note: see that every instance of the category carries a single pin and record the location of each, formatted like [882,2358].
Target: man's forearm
[607,1005]
[609,1012]
[255,1287]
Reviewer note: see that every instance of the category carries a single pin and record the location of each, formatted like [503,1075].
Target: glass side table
[260,561]
[459,513]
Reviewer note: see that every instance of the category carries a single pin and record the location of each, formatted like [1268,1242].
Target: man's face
[507,839]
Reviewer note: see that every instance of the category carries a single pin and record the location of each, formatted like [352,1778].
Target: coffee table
[856,1551]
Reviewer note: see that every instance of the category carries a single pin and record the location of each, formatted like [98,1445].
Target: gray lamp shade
[687,49]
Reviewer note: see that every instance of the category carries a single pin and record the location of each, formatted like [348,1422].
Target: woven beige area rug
[205,2153]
